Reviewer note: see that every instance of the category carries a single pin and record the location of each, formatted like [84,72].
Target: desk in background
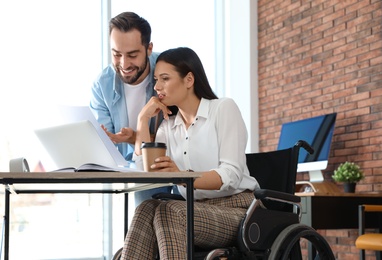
[335,210]
[95,182]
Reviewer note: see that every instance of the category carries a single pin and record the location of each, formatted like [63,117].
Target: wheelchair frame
[273,232]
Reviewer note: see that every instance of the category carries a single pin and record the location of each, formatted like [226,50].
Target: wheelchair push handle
[305,145]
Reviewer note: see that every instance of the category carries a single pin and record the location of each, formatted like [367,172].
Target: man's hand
[126,135]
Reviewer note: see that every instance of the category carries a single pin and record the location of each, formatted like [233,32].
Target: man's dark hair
[128,21]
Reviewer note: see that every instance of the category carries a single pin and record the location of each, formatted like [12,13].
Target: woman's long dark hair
[186,60]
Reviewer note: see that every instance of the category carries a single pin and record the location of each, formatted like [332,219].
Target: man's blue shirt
[108,102]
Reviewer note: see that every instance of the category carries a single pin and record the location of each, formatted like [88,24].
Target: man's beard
[132,79]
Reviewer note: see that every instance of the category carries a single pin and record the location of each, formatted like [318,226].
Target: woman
[206,135]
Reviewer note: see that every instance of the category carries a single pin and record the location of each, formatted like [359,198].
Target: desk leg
[311,252]
[126,221]
[190,218]
[6,223]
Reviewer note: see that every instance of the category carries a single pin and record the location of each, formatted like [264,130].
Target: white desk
[94,182]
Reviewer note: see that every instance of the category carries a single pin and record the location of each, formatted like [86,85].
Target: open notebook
[81,145]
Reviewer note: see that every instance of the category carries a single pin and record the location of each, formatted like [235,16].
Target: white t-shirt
[135,100]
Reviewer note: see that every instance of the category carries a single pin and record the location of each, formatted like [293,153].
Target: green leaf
[348,172]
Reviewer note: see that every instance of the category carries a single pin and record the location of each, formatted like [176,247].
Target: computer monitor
[318,132]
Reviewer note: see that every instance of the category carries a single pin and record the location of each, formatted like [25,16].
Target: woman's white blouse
[216,140]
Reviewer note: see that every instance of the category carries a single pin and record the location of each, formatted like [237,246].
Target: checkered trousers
[160,226]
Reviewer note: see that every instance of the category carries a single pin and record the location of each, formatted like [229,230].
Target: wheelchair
[271,227]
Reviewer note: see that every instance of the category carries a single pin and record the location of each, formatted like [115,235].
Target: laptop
[79,140]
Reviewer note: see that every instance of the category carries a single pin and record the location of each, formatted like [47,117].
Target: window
[50,54]
[51,51]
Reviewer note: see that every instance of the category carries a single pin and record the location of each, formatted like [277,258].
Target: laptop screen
[81,140]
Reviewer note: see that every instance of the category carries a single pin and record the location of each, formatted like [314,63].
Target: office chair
[369,241]
[271,227]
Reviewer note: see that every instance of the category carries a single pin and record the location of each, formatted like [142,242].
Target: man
[125,86]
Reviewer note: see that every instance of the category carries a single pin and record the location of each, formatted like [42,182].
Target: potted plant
[349,173]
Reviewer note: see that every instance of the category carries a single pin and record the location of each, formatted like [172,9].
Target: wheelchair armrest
[276,195]
[167,196]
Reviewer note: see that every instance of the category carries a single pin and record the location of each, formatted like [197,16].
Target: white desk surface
[11,180]
[115,182]
[92,175]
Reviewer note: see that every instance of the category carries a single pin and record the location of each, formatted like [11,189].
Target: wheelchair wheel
[118,254]
[287,244]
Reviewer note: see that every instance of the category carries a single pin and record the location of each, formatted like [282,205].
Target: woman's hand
[126,135]
[153,107]
[164,164]
[210,180]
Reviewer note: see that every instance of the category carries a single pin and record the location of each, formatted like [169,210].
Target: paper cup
[151,151]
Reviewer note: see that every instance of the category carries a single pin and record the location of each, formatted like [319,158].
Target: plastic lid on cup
[153,145]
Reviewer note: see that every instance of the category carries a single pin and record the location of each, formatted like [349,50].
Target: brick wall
[318,57]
